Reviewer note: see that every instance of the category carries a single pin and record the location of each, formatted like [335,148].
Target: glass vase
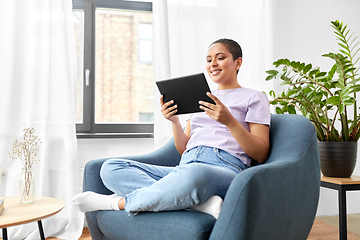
[27,186]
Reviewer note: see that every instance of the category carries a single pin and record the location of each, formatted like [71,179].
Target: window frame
[90,129]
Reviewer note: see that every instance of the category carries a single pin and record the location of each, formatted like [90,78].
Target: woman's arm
[255,143]
[181,137]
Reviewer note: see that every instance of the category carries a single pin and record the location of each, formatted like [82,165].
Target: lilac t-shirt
[246,105]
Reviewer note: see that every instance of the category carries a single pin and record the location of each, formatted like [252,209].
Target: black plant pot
[337,159]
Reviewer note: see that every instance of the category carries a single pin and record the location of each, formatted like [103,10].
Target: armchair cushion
[162,225]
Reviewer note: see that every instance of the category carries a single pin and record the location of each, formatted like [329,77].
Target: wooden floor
[320,231]
[85,235]
[324,231]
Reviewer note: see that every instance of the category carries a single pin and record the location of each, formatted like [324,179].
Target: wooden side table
[15,213]
[342,185]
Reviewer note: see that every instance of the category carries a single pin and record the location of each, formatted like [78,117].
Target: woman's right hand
[167,110]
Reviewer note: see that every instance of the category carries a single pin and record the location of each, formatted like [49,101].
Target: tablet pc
[186,92]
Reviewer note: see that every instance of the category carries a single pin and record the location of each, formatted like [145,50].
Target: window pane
[145,42]
[123,83]
[78,18]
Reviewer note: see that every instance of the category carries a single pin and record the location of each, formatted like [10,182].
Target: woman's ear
[238,63]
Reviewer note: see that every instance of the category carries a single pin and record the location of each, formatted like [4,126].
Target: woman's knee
[110,169]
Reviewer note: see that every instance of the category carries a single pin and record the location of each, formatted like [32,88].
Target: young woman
[216,145]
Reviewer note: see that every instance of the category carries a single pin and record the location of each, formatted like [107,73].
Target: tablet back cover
[186,92]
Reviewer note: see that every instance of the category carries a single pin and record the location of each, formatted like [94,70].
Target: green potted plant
[328,99]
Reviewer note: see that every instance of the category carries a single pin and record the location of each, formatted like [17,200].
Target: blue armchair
[275,200]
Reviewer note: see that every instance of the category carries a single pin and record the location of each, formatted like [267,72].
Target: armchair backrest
[290,134]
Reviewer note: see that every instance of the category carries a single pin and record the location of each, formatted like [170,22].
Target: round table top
[15,213]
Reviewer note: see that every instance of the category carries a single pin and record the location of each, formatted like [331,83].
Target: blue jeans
[202,173]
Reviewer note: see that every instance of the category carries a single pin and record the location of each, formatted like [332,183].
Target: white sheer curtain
[37,63]
[183,30]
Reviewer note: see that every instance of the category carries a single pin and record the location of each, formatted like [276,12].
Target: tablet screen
[186,92]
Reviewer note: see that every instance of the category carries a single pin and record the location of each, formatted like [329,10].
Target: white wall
[90,149]
[302,32]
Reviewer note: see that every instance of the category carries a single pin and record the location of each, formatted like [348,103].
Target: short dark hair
[232,46]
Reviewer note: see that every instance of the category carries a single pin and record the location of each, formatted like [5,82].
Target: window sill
[114,135]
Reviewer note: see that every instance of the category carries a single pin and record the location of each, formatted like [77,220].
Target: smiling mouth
[215,72]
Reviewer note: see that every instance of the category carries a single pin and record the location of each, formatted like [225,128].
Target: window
[115,85]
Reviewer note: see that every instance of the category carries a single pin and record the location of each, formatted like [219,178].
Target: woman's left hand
[218,111]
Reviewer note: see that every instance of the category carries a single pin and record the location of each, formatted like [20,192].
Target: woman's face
[221,67]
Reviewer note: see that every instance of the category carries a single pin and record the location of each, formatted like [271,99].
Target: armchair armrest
[272,196]
[165,156]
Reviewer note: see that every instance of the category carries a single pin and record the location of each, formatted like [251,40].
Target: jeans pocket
[230,160]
